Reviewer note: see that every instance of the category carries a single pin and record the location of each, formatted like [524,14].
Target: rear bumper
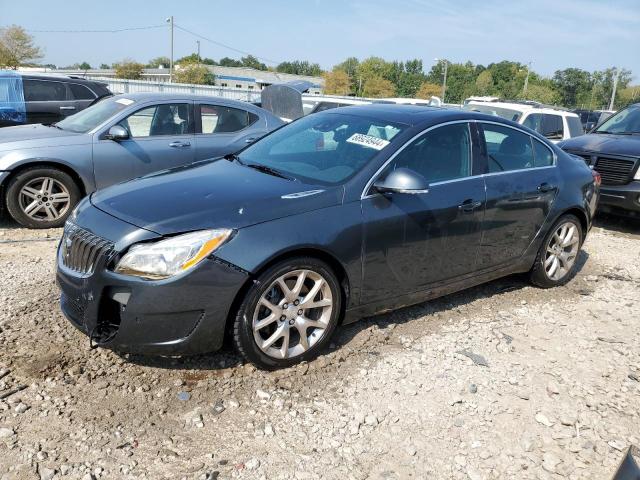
[623,199]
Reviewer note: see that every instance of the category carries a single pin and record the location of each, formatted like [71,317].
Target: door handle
[250,140]
[545,187]
[180,144]
[67,108]
[469,205]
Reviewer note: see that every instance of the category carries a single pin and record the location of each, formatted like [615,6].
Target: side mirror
[402,180]
[117,133]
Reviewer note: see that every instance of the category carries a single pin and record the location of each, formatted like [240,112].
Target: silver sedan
[46,169]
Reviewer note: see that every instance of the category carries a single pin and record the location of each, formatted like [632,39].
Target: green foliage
[158,61]
[337,82]
[300,67]
[129,69]
[194,73]
[84,66]
[193,58]
[378,87]
[104,66]
[252,62]
[17,47]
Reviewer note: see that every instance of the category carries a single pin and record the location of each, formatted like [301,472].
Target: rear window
[507,113]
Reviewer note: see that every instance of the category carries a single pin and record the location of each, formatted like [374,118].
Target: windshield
[97,114]
[322,148]
[507,113]
[625,121]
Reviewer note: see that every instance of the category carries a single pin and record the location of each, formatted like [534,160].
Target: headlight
[174,255]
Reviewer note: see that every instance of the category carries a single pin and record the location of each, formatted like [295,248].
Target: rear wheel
[556,260]
[42,197]
[288,314]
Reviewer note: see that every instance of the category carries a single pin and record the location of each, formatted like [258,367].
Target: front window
[507,113]
[165,119]
[94,116]
[324,148]
[626,121]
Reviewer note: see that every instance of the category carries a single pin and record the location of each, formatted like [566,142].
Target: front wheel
[288,314]
[556,260]
[41,197]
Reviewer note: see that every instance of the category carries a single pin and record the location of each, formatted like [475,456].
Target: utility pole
[170,22]
[615,86]
[198,42]
[526,80]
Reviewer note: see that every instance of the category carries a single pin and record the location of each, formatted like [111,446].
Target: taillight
[597,178]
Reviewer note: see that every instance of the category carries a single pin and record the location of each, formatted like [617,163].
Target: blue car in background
[45,169]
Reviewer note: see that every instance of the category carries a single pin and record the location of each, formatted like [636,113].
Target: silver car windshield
[90,118]
[325,148]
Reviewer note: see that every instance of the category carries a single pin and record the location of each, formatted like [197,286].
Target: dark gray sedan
[46,169]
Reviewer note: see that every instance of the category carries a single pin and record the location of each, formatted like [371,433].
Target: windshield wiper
[268,170]
[232,157]
[615,133]
[54,125]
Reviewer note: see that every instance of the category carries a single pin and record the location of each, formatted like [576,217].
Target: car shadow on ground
[617,223]
[345,335]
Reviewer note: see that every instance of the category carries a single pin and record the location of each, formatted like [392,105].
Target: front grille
[82,250]
[614,171]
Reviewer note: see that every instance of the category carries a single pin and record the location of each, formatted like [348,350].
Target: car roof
[163,96]
[413,115]
[524,107]
[59,77]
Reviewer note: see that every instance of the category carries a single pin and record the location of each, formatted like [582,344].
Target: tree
[17,47]
[129,69]
[104,66]
[300,67]
[194,73]
[484,83]
[629,95]
[542,94]
[84,66]
[252,62]
[572,84]
[428,90]
[377,87]
[159,61]
[336,83]
[230,62]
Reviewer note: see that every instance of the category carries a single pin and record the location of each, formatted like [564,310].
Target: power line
[220,44]
[149,27]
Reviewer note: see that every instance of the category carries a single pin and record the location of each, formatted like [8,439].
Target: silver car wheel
[44,198]
[562,251]
[293,314]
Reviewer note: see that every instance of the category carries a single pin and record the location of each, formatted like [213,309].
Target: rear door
[223,129]
[46,101]
[161,136]
[521,182]
[414,240]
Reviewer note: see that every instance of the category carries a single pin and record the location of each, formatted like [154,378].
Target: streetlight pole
[615,86]
[444,79]
[526,80]
[198,42]
[170,22]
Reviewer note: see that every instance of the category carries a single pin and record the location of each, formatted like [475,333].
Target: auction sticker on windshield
[368,141]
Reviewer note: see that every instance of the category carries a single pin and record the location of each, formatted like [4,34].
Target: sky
[552,34]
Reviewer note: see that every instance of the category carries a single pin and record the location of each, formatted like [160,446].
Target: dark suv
[613,149]
[45,99]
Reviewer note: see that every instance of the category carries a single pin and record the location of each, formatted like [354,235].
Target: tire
[22,195]
[319,321]
[543,274]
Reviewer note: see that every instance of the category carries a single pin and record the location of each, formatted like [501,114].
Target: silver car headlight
[172,256]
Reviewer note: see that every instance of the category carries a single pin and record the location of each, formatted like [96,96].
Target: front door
[161,136]
[414,240]
[522,182]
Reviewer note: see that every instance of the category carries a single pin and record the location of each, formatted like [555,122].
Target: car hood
[604,143]
[212,194]
[33,136]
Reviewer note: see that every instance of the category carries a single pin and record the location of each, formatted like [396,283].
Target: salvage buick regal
[336,216]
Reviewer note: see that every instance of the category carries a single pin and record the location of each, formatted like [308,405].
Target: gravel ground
[500,381]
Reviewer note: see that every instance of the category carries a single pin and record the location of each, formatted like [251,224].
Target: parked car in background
[613,149]
[552,123]
[45,98]
[46,169]
[591,118]
[320,103]
[338,215]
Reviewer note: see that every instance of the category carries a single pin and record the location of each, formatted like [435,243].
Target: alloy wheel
[44,198]
[562,251]
[292,314]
